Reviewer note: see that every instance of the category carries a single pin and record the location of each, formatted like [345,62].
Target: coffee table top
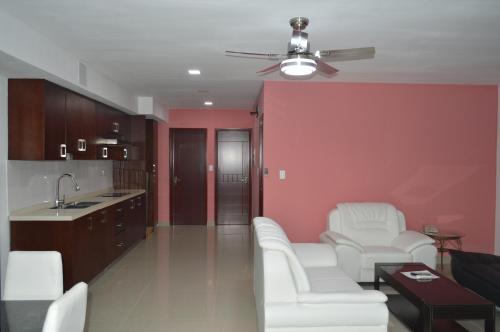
[438,292]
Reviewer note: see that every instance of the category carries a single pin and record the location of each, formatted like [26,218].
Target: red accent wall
[428,149]
[210,119]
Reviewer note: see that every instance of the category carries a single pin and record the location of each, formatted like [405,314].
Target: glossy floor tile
[184,278]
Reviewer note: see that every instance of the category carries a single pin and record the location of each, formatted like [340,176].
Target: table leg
[376,282]
[441,251]
[426,319]
[489,324]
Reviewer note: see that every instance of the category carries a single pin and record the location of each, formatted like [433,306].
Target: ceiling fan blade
[325,68]
[346,54]
[271,68]
[271,55]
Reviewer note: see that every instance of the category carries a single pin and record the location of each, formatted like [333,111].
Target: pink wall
[428,149]
[210,119]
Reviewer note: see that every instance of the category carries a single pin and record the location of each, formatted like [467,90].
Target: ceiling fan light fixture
[298,66]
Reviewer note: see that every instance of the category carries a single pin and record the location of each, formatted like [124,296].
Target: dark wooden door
[151,167]
[233,177]
[188,176]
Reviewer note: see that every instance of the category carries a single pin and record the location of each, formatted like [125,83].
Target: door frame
[171,171]
[250,177]
[260,120]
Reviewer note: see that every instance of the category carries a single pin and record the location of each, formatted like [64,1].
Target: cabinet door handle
[119,210]
[120,225]
[91,224]
[80,145]
[62,150]
[120,245]
[84,145]
[125,153]
[105,152]
[132,205]
[116,127]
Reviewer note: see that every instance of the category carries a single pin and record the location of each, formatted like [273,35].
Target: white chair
[33,275]
[363,234]
[299,288]
[67,313]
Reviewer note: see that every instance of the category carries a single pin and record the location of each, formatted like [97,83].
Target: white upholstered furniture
[363,234]
[299,288]
[33,275]
[67,313]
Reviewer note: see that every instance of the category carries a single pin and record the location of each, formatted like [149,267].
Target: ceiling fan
[300,61]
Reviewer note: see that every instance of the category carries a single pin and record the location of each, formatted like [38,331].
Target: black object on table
[478,272]
[23,316]
[433,305]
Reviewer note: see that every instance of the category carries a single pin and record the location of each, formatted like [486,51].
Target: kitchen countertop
[43,212]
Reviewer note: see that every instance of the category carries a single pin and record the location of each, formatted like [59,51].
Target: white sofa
[299,288]
[363,234]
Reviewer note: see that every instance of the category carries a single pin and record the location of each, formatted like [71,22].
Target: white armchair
[363,234]
[298,287]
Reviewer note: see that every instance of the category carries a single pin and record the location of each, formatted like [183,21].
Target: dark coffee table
[434,305]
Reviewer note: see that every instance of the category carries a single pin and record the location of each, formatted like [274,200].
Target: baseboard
[211,222]
[163,223]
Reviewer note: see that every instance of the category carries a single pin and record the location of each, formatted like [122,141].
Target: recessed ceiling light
[208,103]
[194,72]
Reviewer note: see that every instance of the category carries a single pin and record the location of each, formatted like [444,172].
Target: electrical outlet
[282,174]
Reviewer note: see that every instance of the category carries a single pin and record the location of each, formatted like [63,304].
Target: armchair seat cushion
[381,254]
[330,280]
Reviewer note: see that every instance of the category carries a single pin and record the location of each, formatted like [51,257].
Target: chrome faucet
[60,202]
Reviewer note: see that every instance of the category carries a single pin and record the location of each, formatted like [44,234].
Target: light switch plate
[210,168]
[282,174]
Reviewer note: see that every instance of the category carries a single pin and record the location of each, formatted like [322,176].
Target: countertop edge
[75,213]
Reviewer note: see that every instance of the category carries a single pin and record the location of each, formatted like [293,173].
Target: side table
[443,239]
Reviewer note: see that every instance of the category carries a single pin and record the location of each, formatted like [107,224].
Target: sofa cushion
[330,279]
[381,254]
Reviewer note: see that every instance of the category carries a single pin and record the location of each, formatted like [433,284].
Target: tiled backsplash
[34,182]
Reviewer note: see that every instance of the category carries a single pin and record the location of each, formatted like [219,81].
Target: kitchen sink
[76,205]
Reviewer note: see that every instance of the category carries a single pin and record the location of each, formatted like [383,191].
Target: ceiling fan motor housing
[299,43]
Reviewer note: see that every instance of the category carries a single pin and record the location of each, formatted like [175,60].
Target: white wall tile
[34,182]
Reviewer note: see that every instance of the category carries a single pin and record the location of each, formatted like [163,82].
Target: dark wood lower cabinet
[87,244]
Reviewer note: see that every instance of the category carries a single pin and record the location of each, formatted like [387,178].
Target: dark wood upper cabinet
[80,126]
[49,122]
[111,123]
[37,120]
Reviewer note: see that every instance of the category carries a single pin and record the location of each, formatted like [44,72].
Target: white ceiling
[147,46]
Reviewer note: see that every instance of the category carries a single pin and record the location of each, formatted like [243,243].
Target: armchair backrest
[367,223]
[277,263]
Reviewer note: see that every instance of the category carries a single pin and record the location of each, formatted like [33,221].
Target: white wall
[4,224]
[497,212]
[34,182]
[40,57]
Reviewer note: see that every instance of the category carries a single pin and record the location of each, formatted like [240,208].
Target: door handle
[244,179]
[176,180]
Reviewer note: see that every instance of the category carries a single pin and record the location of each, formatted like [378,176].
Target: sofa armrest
[367,296]
[315,254]
[409,240]
[340,239]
